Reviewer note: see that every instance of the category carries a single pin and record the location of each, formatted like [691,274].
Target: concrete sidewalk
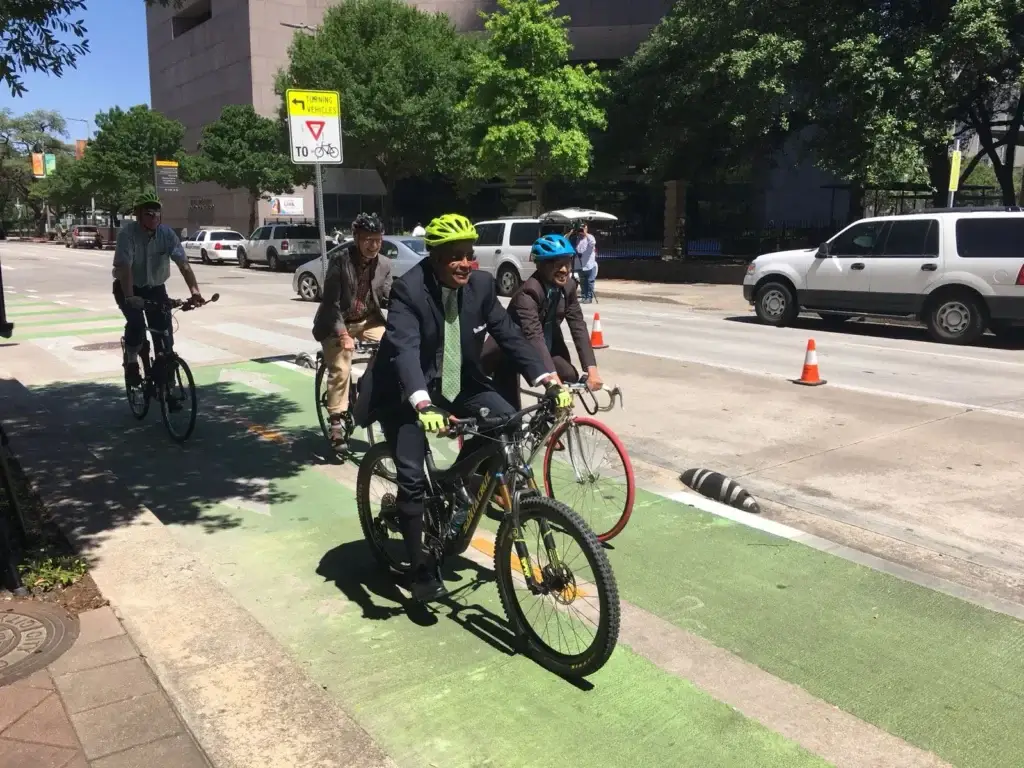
[696,296]
[238,691]
[97,706]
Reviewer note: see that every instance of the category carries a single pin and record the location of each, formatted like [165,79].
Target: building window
[190,18]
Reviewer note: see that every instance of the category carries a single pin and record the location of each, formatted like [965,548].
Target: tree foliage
[118,160]
[243,150]
[401,72]
[535,110]
[878,87]
[20,136]
[30,39]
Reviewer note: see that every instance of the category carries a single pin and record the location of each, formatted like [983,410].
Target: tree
[706,96]
[401,73]
[535,109]
[29,32]
[118,161]
[37,131]
[243,150]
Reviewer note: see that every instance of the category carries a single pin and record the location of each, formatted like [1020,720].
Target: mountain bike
[363,353]
[547,572]
[166,378]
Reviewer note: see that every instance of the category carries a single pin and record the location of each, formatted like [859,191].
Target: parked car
[404,252]
[958,270]
[503,245]
[211,244]
[279,246]
[84,236]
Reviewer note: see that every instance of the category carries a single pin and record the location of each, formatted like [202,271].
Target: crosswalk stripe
[277,341]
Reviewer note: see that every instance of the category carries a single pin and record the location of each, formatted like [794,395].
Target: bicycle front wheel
[178,405]
[569,617]
[587,467]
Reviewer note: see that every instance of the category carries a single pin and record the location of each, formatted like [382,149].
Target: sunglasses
[151,211]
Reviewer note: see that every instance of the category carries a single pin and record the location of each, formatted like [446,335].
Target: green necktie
[451,370]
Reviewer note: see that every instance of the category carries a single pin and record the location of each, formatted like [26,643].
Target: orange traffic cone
[597,335]
[810,377]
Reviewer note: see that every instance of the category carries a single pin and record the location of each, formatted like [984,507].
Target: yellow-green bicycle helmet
[146,198]
[448,229]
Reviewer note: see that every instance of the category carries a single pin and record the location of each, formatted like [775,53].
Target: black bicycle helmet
[367,222]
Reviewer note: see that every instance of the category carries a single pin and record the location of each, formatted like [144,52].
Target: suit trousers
[408,445]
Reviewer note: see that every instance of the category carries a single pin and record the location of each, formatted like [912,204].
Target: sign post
[314,134]
[954,174]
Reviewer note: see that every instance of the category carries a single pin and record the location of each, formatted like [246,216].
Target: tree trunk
[937,161]
[254,201]
[855,204]
[538,194]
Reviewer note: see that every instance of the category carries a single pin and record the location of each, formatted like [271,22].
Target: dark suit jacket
[529,308]
[339,291]
[411,353]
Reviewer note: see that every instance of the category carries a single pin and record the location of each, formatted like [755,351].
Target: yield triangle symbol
[316,127]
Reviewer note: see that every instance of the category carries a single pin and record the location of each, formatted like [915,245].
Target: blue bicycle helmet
[551,247]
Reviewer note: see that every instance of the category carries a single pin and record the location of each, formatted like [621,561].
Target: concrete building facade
[212,53]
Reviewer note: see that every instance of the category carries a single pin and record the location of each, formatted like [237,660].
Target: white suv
[958,270]
[503,249]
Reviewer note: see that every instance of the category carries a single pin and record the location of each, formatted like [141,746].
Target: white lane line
[848,387]
[298,322]
[277,341]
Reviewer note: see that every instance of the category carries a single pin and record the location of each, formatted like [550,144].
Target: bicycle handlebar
[185,305]
[485,422]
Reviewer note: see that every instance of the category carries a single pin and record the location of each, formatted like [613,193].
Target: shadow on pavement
[354,571]
[882,330]
[86,432]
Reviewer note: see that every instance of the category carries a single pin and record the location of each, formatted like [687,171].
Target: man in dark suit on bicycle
[429,365]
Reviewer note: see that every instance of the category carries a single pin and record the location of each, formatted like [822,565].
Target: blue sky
[114,73]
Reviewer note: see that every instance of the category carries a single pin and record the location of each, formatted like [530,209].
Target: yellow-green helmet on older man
[449,228]
[146,199]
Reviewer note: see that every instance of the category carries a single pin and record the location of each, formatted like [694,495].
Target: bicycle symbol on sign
[325,149]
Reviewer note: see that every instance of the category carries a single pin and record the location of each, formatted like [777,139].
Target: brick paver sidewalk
[97,706]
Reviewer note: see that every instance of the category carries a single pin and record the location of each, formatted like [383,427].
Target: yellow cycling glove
[561,396]
[431,419]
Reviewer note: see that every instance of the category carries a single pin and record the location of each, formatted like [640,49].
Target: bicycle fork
[534,576]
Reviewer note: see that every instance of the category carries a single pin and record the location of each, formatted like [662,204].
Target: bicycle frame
[504,472]
[579,389]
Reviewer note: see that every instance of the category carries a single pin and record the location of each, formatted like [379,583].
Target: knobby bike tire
[182,366]
[620,449]
[607,635]
[369,468]
[143,390]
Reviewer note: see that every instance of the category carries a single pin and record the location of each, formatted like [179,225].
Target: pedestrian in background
[418,230]
[586,252]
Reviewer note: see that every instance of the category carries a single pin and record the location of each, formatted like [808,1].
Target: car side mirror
[822,251]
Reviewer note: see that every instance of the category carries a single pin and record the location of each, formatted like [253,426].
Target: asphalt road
[911,450]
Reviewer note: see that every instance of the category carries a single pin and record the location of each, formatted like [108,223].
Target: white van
[958,270]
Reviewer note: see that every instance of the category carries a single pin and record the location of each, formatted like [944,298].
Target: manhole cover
[32,635]
[99,346]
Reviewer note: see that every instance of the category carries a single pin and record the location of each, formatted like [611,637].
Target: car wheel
[243,260]
[508,280]
[956,317]
[308,288]
[775,304]
[204,256]
[273,263]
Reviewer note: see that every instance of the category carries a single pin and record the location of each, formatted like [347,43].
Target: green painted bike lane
[938,672]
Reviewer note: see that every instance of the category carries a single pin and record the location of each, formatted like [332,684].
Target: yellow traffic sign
[312,103]
[954,171]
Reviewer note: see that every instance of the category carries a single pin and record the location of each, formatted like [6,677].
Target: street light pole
[92,198]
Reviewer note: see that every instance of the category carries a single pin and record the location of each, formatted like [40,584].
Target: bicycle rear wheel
[587,467]
[138,394]
[376,497]
[323,415]
[582,597]
[177,394]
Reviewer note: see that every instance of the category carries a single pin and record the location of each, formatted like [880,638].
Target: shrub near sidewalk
[49,568]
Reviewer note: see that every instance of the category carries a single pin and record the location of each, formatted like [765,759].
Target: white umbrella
[567,215]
